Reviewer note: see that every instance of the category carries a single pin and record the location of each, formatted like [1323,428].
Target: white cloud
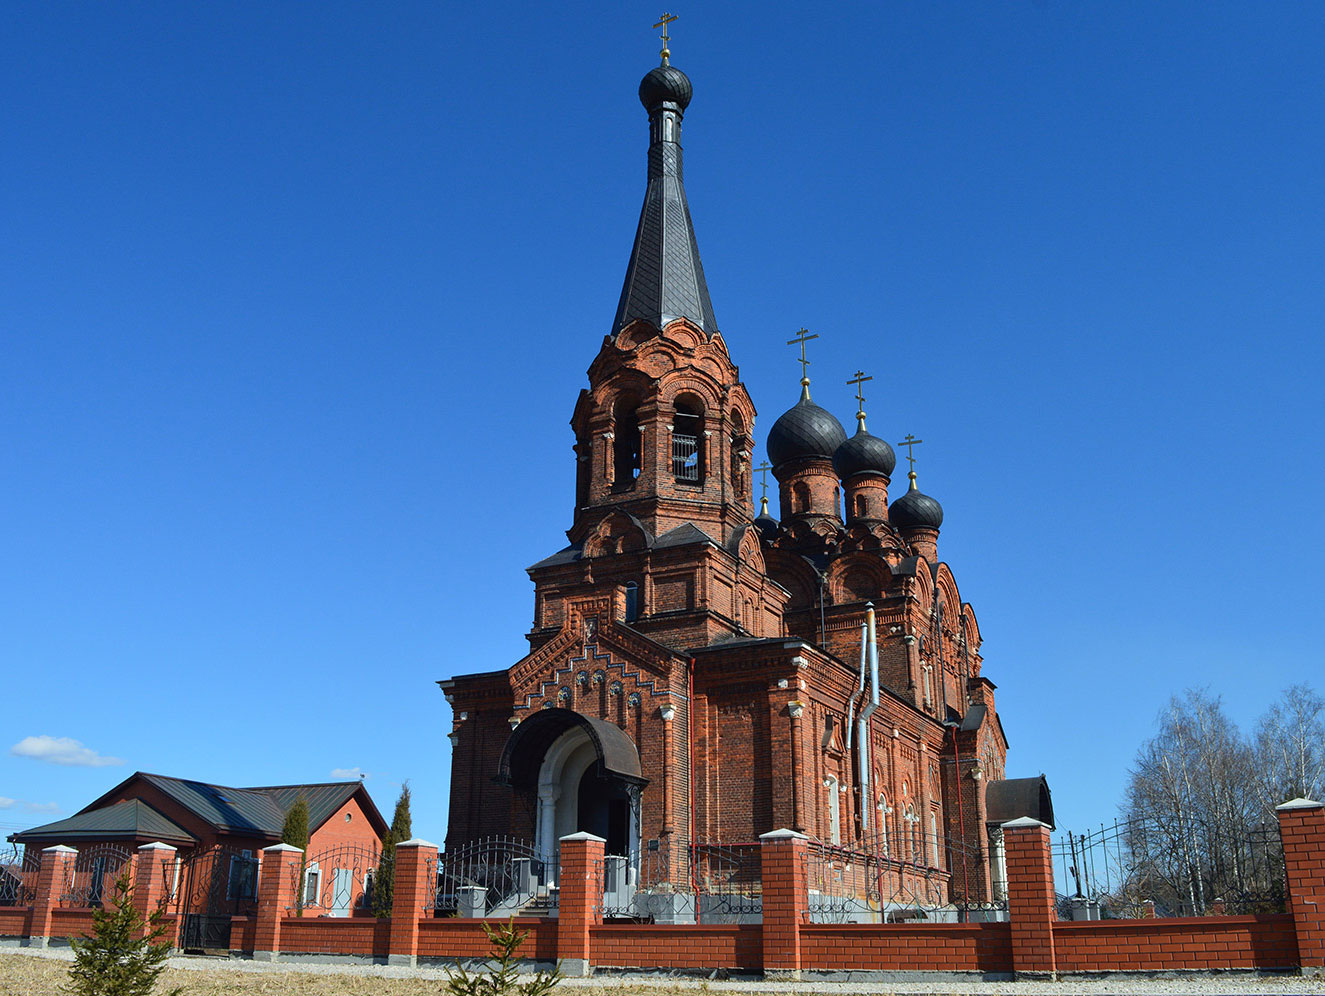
[61,750]
[42,807]
[6,803]
[347,774]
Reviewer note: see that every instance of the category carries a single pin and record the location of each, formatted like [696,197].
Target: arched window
[800,497]
[688,440]
[737,449]
[837,501]
[884,811]
[862,506]
[834,811]
[934,839]
[913,852]
[632,601]
[627,449]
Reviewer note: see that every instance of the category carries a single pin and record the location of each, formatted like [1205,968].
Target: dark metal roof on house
[664,278]
[130,820]
[1014,798]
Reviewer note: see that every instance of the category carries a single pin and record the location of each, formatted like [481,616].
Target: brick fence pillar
[276,891]
[578,907]
[56,864]
[782,855]
[1030,897]
[155,862]
[1302,829]
[415,860]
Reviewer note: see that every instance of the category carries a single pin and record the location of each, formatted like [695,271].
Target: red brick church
[698,672]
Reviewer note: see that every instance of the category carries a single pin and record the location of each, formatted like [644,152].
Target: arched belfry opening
[583,774]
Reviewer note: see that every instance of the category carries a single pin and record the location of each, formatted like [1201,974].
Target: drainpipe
[869,639]
[851,723]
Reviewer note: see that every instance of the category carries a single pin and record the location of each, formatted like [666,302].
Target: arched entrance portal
[584,774]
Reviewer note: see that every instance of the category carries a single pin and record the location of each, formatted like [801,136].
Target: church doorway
[584,776]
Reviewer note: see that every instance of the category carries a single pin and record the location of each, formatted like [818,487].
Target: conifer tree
[295,833]
[120,958]
[402,829]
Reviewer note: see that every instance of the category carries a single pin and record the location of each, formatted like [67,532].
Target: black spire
[665,279]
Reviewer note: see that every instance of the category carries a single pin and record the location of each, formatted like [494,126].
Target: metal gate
[214,885]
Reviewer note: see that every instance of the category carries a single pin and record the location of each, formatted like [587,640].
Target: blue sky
[297,300]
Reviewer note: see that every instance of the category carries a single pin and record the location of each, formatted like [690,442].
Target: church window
[884,811]
[837,501]
[737,448]
[688,440]
[800,497]
[934,839]
[632,601]
[862,506]
[834,811]
[627,445]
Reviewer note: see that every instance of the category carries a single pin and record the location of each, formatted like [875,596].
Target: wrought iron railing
[1169,867]
[679,883]
[90,881]
[336,881]
[18,875]
[495,876]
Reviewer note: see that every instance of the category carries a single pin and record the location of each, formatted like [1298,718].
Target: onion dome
[665,85]
[915,509]
[804,431]
[864,453]
[766,523]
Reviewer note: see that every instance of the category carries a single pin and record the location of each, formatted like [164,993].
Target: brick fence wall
[784,945]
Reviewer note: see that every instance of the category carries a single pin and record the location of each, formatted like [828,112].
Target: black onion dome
[804,431]
[665,85]
[864,453]
[916,510]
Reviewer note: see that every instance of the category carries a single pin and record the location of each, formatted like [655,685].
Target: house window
[243,879]
[312,879]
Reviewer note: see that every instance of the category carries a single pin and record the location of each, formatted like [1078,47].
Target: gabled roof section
[129,820]
[257,812]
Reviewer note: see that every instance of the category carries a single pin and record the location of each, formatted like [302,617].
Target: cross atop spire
[663,22]
[763,469]
[910,442]
[802,337]
[859,380]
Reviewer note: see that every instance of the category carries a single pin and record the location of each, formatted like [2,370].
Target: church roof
[665,279]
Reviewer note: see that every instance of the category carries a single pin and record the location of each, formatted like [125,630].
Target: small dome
[915,510]
[765,522]
[864,453]
[665,84]
[804,431]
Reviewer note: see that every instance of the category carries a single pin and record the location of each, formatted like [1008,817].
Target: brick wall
[446,939]
[1190,943]
[955,947]
[335,935]
[732,946]
[14,922]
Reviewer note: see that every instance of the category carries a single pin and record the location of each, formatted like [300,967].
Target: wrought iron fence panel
[928,877]
[18,875]
[681,883]
[336,881]
[496,876]
[91,878]
[209,887]
[1153,866]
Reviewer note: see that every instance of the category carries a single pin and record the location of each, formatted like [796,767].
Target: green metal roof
[131,820]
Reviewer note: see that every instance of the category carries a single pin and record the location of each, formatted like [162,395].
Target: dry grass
[28,975]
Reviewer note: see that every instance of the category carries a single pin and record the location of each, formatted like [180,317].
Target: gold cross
[665,20]
[858,380]
[909,442]
[763,469]
[802,337]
